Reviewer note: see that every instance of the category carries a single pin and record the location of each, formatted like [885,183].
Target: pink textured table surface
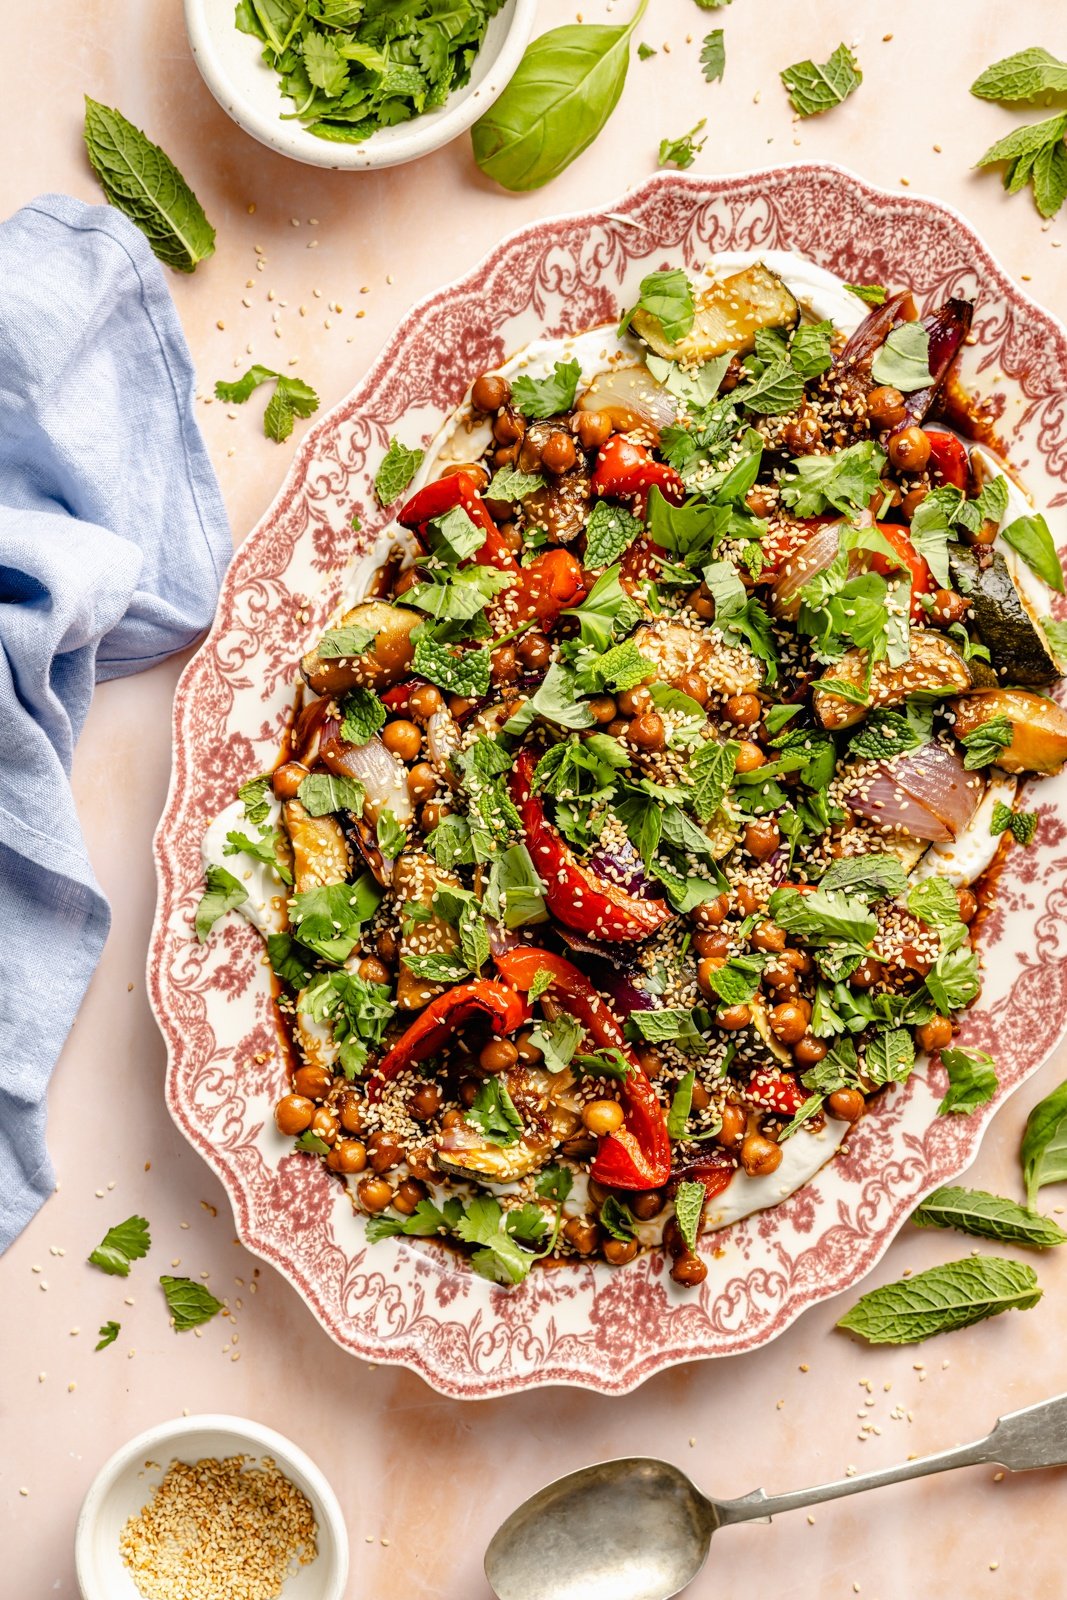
[319,266]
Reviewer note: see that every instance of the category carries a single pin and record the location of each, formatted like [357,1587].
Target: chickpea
[934,1035]
[712,944]
[504,664]
[469,469]
[452,1118]
[733,1017]
[558,453]
[749,756]
[325,1124]
[769,936]
[432,815]
[374,1194]
[986,533]
[371,970]
[421,1163]
[779,977]
[688,1271]
[603,1117]
[631,702]
[422,782]
[911,502]
[425,1102]
[799,960]
[509,427]
[705,977]
[703,604]
[846,1104]
[809,1051]
[745,899]
[506,455]
[468,1092]
[534,650]
[650,1060]
[293,1113]
[701,1097]
[711,913]
[312,1083]
[594,428]
[528,1052]
[802,434]
[948,608]
[647,731]
[789,1022]
[909,450]
[286,780]
[498,1055]
[350,1112]
[347,1156]
[618,1252]
[692,685]
[409,1194]
[425,701]
[603,708]
[490,392]
[734,1123]
[759,500]
[388,947]
[885,406]
[866,974]
[762,838]
[384,1151]
[968,904]
[742,709]
[647,1204]
[582,1234]
[760,1156]
[510,537]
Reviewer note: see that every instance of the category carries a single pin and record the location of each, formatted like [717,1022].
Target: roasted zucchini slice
[934,667]
[728,316]
[1039,736]
[1002,617]
[386,659]
[320,851]
[415,877]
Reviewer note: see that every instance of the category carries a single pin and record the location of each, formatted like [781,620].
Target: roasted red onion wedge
[948,327]
[928,792]
[380,772]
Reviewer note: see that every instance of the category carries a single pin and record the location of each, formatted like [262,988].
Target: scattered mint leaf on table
[189,1303]
[223,894]
[1035,154]
[972,1081]
[1044,1146]
[942,1299]
[1022,76]
[291,398]
[682,152]
[142,182]
[987,1216]
[713,5]
[813,88]
[399,466]
[713,55]
[108,1333]
[126,1242]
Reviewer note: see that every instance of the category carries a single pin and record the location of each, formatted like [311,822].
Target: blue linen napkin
[113,542]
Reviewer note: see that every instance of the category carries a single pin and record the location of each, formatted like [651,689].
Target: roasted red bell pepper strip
[638,1156]
[484,999]
[949,461]
[575,896]
[551,583]
[777,1091]
[458,489]
[625,470]
[922,579]
[714,1171]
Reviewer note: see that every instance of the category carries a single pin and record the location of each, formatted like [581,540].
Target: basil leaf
[344,642]
[189,1303]
[667,296]
[987,1216]
[126,1242]
[1044,1146]
[872,294]
[903,362]
[1056,634]
[142,182]
[689,1211]
[954,981]
[223,894]
[713,55]
[1031,537]
[556,701]
[813,88]
[398,466]
[564,90]
[1022,76]
[942,1299]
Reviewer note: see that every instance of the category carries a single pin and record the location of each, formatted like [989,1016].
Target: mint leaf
[1049,178]
[322,793]
[875,876]
[494,1115]
[108,1334]
[689,1211]
[189,1303]
[890,1056]
[609,533]
[223,894]
[972,1081]
[291,398]
[1026,142]
[255,795]
[511,484]
[984,744]
[737,981]
[542,982]
[362,716]
[547,397]
[777,390]
[344,643]
[126,1242]
[1022,76]
[240,390]
[711,771]
[465,672]
[390,835]
[681,1105]
[813,88]
[903,362]
[1023,824]
[942,1299]
[1044,1146]
[667,296]
[713,55]
[398,466]
[954,981]
[872,294]
[987,1216]
[1032,538]
[141,180]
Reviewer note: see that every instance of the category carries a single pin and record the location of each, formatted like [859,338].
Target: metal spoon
[639,1529]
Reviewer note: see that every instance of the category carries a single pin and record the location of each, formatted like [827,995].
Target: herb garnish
[108,1333]
[398,466]
[1044,1146]
[987,1216]
[942,1299]
[291,398]
[189,1303]
[813,88]
[972,1080]
[683,151]
[126,1242]
[223,893]
[141,180]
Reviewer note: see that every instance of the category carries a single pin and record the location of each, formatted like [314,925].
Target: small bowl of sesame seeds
[208,1506]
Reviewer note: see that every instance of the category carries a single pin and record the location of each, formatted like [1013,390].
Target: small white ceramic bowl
[248,90]
[123,1486]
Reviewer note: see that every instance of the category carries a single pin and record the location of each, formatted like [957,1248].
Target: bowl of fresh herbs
[357,84]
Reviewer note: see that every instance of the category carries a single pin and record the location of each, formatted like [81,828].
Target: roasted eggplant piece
[728,316]
[1039,736]
[385,660]
[415,878]
[948,326]
[1001,615]
[320,852]
[551,1111]
[934,667]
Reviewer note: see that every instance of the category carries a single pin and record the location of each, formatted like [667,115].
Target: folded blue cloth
[113,542]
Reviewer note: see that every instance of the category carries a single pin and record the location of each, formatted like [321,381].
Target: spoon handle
[1034,1437]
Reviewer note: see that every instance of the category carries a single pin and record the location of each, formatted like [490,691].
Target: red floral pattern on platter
[420,1304]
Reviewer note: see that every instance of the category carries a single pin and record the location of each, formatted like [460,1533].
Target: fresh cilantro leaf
[223,894]
[499,1257]
[328,919]
[310,1144]
[512,485]
[823,914]
[609,533]
[189,1303]
[557,1040]
[872,294]
[358,1011]
[547,397]
[126,1242]
[264,849]
[1023,76]
[1032,538]
[108,1333]
[494,1115]
[527,1222]
[1023,824]
[778,389]
[255,796]
[683,151]
[985,743]
[398,466]
[941,1299]
[667,296]
[689,1211]
[903,362]
[987,1216]
[972,1080]
[813,87]
[323,793]
[845,480]
[326,67]
[141,180]
[345,643]
[713,55]
[554,1183]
